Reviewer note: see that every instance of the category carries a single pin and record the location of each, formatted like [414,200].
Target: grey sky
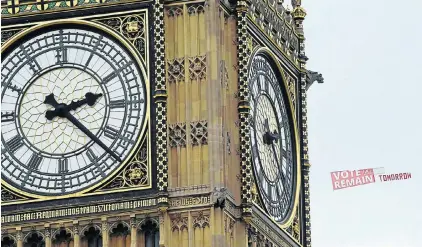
[368,113]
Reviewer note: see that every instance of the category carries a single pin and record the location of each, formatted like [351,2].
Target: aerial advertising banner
[347,179]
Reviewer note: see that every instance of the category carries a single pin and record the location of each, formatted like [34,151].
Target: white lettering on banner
[345,179]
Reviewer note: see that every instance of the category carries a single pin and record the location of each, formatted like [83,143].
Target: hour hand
[49,99]
[269,137]
[90,99]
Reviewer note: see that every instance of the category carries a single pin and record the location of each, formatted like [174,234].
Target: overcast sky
[368,113]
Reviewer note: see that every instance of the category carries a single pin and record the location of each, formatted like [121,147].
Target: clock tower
[147,123]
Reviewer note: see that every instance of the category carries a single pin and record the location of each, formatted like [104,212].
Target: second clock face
[73,107]
[271,140]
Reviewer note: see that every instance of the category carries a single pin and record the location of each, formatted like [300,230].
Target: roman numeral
[109,77]
[111,132]
[258,82]
[34,162]
[63,166]
[33,64]
[93,158]
[117,103]
[61,55]
[91,155]
[8,116]
[15,143]
[62,51]
[14,88]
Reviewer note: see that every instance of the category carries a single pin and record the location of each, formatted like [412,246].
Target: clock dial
[73,107]
[271,140]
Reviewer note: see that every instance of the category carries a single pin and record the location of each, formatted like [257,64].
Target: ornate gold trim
[146,123]
[267,52]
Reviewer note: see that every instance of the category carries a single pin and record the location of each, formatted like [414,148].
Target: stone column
[104,228]
[133,231]
[299,15]
[76,237]
[47,234]
[19,236]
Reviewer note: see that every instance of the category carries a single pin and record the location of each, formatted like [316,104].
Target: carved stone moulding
[199,133]
[177,135]
[176,70]
[197,67]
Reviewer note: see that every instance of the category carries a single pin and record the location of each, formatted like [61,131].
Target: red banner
[346,179]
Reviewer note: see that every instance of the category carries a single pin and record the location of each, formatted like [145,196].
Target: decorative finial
[299,13]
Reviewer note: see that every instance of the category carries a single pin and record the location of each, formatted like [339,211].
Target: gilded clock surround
[97,188]
[286,86]
[188,208]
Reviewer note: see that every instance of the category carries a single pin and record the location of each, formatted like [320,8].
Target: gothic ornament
[196,9]
[177,135]
[176,70]
[174,11]
[224,76]
[179,223]
[9,196]
[135,174]
[199,133]
[133,28]
[198,67]
[201,220]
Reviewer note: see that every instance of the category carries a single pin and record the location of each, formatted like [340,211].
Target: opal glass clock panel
[271,139]
[96,81]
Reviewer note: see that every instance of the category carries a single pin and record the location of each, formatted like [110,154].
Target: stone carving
[135,174]
[201,220]
[179,223]
[199,133]
[132,27]
[174,11]
[197,8]
[177,135]
[198,67]
[176,70]
[219,197]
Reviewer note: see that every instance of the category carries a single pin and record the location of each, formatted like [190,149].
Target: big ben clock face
[73,105]
[271,140]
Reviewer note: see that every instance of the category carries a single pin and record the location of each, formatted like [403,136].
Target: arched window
[92,238]
[8,241]
[62,238]
[149,234]
[34,239]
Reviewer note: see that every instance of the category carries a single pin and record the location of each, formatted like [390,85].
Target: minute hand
[78,124]
[281,169]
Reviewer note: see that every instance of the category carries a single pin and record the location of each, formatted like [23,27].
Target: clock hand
[62,110]
[82,127]
[49,99]
[90,99]
[283,179]
[269,137]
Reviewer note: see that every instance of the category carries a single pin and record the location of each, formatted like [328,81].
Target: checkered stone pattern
[243,54]
[299,16]
[161,145]
[159,49]
[161,99]
[305,160]
[245,158]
